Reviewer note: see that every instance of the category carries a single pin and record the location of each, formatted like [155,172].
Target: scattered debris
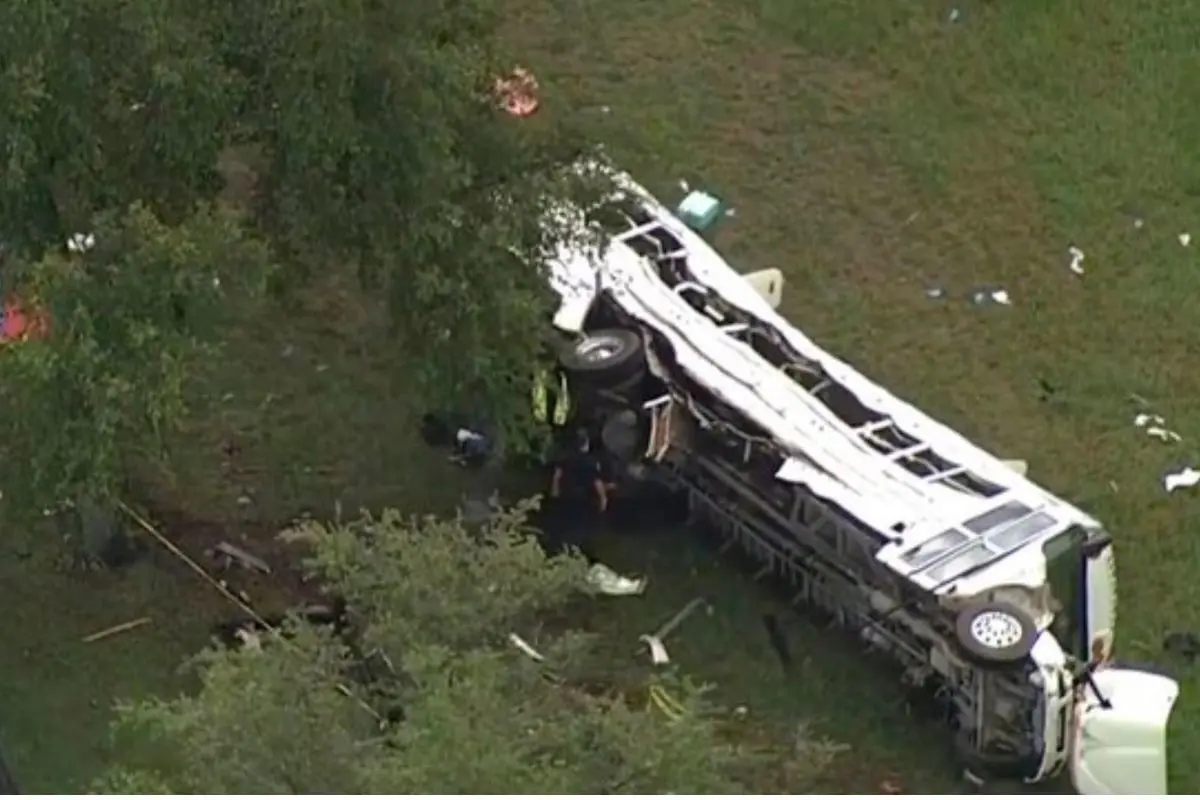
[658,650]
[654,641]
[890,785]
[954,15]
[935,293]
[984,297]
[1077,257]
[1185,478]
[230,553]
[517,93]
[1154,425]
[1185,239]
[1139,223]
[115,629]
[661,699]
[525,647]
[81,242]
[607,581]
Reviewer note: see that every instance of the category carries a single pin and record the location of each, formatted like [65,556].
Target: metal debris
[525,647]
[654,641]
[1185,478]
[1077,257]
[658,651]
[232,553]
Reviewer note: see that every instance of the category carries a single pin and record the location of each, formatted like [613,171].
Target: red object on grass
[19,325]
[518,93]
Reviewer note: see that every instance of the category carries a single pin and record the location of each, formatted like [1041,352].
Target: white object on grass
[1076,259]
[1185,239]
[607,581]
[658,650]
[525,647]
[1001,297]
[1186,477]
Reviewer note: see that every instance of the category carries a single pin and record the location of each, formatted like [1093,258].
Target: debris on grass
[607,581]
[517,93]
[1183,479]
[990,296]
[525,647]
[658,650]
[1185,239]
[654,641]
[1155,426]
[935,293]
[115,629]
[1077,257]
[228,553]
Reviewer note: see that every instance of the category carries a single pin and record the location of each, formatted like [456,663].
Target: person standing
[578,497]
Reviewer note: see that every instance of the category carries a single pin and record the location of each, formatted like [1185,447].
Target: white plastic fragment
[658,651]
[1185,478]
[607,581]
[1076,259]
[81,242]
[525,647]
[1001,297]
[1155,426]
[1163,434]
[1185,239]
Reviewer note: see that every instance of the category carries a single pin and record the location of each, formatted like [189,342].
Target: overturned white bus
[974,579]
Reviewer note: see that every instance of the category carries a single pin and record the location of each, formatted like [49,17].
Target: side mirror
[1096,544]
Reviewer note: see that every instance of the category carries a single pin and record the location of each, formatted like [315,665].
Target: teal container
[700,210]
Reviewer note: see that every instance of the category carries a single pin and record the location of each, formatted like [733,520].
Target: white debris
[81,242]
[1001,297]
[525,647]
[1163,434]
[607,581]
[1155,426]
[1138,223]
[1076,259]
[1186,477]
[1185,239]
[658,651]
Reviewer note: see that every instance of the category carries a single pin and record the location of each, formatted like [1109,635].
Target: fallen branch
[115,629]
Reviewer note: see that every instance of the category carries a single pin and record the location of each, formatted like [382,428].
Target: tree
[479,715]
[379,149]
[126,319]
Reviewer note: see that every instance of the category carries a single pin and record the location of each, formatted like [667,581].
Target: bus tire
[611,357]
[995,634]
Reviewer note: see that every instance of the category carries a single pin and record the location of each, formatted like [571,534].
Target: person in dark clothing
[578,496]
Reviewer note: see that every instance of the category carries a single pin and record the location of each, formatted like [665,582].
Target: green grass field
[874,151]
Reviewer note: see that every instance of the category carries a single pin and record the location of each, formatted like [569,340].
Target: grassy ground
[873,150]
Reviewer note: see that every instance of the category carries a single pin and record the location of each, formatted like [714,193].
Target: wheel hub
[598,349]
[996,630]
